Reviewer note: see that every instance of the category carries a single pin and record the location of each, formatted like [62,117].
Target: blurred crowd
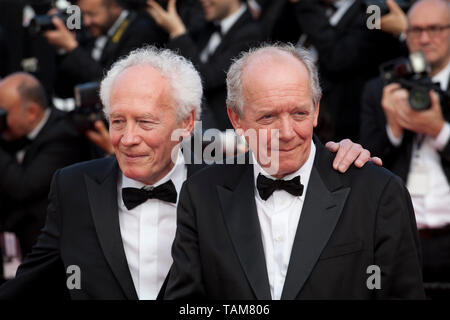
[50,115]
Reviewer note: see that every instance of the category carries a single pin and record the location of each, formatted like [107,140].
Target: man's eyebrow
[115,114]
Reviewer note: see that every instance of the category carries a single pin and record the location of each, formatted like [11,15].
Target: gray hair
[235,95]
[183,77]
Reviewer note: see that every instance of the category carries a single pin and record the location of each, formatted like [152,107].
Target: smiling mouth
[133,156]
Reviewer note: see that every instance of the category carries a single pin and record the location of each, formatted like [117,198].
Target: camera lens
[419,99]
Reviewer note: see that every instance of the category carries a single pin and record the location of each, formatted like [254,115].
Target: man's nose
[286,129]
[130,136]
[87,21]
[424,37]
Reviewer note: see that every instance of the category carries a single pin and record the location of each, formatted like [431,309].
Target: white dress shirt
[215,39]
[427,183]
[278,218]
[148,231]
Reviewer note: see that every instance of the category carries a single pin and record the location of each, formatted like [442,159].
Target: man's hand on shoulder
[348,153]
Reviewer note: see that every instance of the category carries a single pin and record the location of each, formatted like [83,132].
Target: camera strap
[110,41]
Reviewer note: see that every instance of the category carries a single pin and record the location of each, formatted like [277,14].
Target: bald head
[27,88]
[429,32]
[24,100]
[441,6]
[287,59]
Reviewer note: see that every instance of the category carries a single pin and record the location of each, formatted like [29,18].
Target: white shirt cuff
[442,139]
[394,140]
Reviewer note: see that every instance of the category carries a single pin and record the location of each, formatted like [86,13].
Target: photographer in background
[34,143]
[111,32]
[416,144]
[348,55]
[230,30]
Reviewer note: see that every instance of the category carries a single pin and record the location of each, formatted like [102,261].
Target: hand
[395,21]
[349,153]
[428,122]
[393,97]
[168,20]
[101,137]
[61,37]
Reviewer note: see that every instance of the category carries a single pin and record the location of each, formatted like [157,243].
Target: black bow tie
[216,27]
[267,186]
[132,197]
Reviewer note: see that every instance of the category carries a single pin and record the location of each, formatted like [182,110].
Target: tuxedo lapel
[320,214]
[102,193]
[241,218]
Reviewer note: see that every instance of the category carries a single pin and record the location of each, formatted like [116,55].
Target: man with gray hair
[288,226]
[111,221]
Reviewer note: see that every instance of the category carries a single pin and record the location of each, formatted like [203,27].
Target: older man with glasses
[416,144]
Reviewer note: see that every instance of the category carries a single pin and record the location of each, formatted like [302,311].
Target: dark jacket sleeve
[185,276]
[373,134]
[397,247]
[42,274]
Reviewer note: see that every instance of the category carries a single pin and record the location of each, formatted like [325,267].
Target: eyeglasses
[432,31]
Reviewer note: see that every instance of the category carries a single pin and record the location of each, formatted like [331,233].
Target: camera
[42,23]
[403,4]
[88,107]
[412,74]
[3,124]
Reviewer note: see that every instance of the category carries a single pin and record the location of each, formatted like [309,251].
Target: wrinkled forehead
[272,72]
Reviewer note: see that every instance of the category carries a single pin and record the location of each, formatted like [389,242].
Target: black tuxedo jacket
[241,36]
[349,222]
[349,55]
[373,135]
[79,67]
[82,229]
[24,187]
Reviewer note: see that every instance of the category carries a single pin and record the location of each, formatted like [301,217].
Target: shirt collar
[33,134]
[304,171]
[442,77]
[228,22]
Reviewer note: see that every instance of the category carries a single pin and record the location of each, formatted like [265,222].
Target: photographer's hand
[101,137]
[394,22]
[429,122]
[393,96]
[168,20]
[61,38]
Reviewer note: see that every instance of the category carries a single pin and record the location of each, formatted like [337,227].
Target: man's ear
[187,124]
[234,119]
[316,115]
[33,111]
